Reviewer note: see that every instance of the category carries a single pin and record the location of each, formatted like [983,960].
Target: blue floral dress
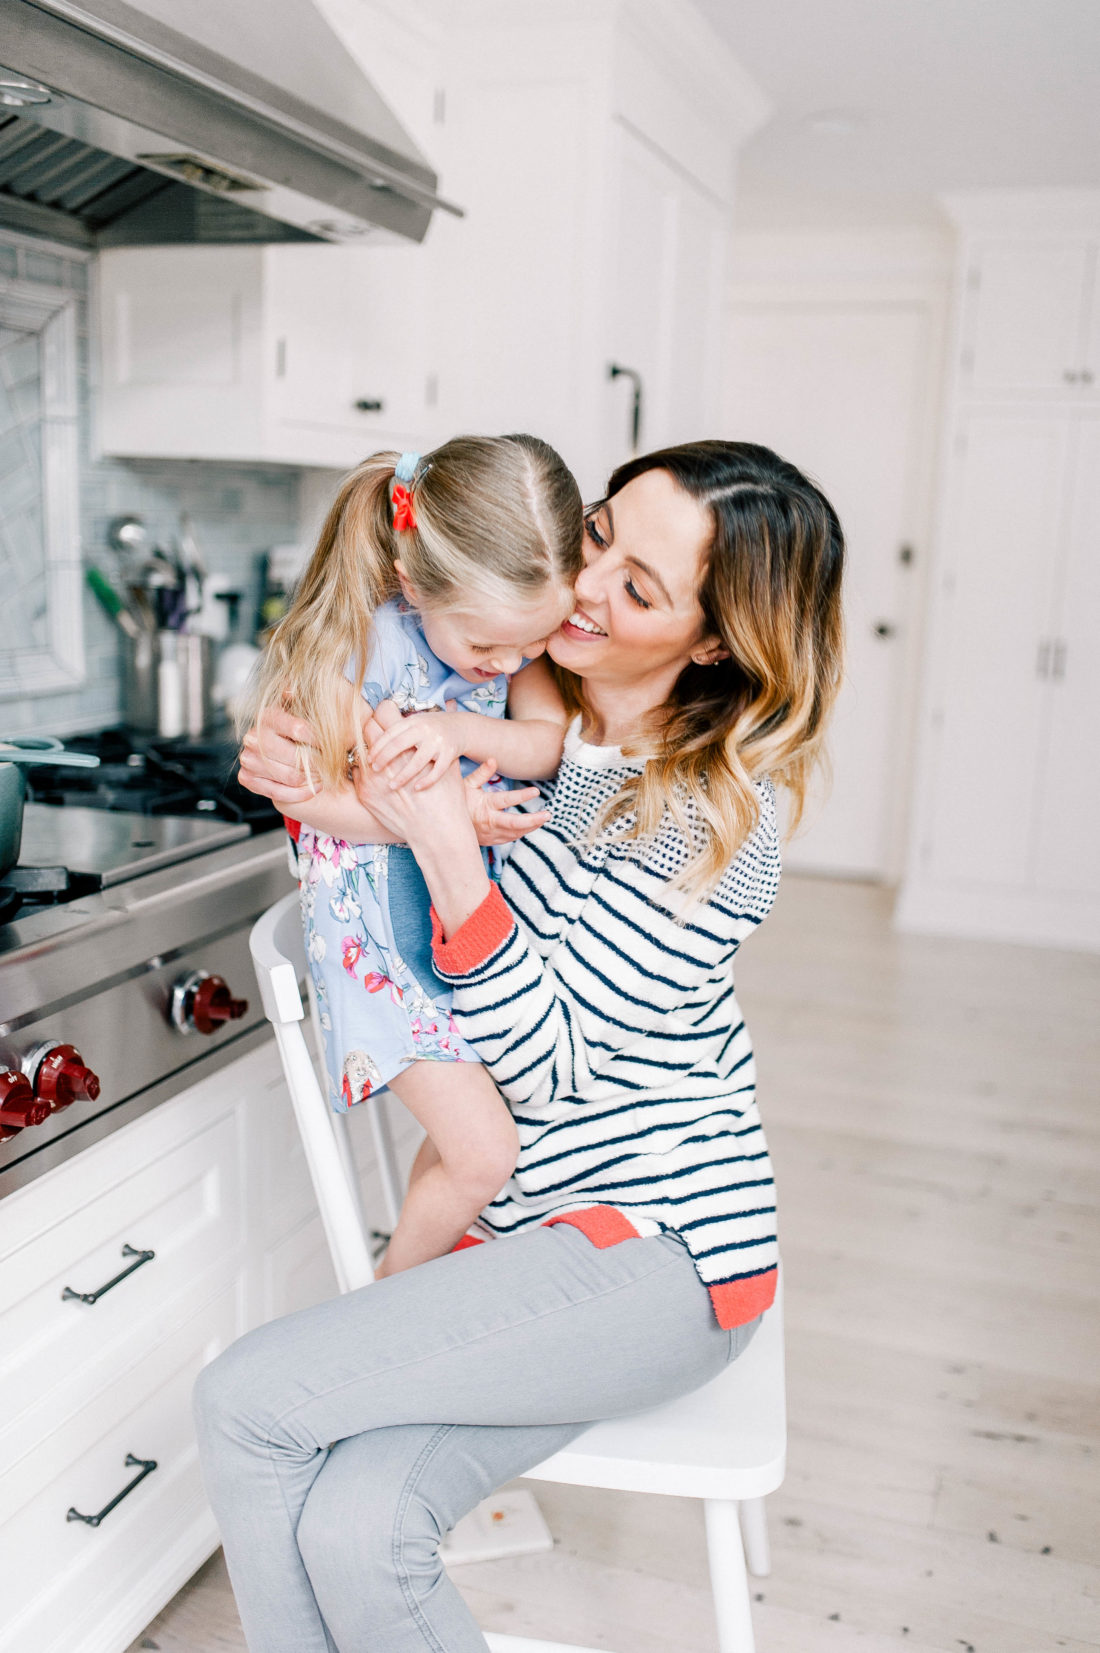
[365,907]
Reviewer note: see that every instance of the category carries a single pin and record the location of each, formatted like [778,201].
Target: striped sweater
[613,1031]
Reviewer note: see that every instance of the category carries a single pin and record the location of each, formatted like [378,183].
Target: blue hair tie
[405,469]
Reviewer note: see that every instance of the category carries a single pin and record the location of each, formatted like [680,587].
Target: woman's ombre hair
[771,591]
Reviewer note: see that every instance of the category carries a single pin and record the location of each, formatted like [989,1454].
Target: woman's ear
[708,651]
[408,590]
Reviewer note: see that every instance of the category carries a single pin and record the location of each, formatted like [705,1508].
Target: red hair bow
[403,514]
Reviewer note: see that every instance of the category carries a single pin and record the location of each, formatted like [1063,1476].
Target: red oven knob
[19,1106]
[62,1077]
[201,1003]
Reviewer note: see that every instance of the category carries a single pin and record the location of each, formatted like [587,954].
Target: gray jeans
[341,1443]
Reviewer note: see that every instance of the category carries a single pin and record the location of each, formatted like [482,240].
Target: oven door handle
[141,1257]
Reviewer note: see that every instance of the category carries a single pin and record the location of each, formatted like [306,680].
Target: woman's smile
[580,624]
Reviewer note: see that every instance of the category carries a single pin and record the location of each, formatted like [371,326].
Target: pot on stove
[15,751]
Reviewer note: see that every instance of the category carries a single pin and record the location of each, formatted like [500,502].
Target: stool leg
[339,1123]
[754,1533]
[392,1193]
[728,1579]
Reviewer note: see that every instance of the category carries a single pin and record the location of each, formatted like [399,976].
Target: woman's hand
[272,762]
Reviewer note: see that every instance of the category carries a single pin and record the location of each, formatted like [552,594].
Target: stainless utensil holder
[167,683]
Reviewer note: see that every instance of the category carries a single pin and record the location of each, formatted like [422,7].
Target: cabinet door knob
[369,404]
[884,628]
[1087,376]
[1070,376]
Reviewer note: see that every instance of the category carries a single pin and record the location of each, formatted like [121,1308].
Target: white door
[838,389]
[1069,797]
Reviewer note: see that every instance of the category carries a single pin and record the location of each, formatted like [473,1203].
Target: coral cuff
[739,1301]
[475,941]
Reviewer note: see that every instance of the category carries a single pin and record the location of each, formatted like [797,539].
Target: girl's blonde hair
[771,591]
[498,519]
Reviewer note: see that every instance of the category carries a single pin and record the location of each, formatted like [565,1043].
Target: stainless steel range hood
[197,120]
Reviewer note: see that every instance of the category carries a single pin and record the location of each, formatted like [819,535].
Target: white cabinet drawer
[298,1272]
[183,1204]
[73,1588]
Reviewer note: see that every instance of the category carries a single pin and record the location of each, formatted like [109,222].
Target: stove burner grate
[148,776]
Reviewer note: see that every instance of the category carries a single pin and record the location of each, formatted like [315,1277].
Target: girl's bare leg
[426,1155]
[474,1137]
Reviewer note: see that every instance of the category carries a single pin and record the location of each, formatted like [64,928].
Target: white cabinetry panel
[997,603]
[72,1586]
[264,353]
[216,1183]
[1026,317]
[1005,843]
[513,273]
[181,348]
[184,1206]
[1068,862]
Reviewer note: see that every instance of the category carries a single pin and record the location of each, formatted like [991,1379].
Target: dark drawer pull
[369,404]
[69,1295]
[147,1467]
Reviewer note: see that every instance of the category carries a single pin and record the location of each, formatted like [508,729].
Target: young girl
[435,584]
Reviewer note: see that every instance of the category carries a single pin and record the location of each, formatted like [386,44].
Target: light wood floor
[934,1113]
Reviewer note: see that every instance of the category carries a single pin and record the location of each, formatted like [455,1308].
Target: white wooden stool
[725,1443]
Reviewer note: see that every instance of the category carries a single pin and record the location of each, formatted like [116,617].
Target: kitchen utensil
[167,682]
[194,564]
[55,756]
[26,749]
[111,602]
[142,607]
[128,536]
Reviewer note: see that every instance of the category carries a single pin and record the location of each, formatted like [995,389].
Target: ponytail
[328,624]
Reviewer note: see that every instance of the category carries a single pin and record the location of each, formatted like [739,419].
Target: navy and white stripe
[612,1027]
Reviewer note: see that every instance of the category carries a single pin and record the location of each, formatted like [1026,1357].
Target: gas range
[124,970]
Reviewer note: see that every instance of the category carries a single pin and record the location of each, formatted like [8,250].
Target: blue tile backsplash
[237,512]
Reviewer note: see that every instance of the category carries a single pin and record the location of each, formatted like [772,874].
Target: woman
[632,1252]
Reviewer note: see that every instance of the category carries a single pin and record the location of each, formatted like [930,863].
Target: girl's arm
[622,983]
[526,745]
[271,765]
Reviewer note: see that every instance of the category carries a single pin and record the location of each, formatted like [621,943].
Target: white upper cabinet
[1027,322]
[592,145]
[302,355]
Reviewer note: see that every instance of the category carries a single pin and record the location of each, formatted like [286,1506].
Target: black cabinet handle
[369,404]
[614,371]
[883,628]
[147,1466]
[69,1295]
